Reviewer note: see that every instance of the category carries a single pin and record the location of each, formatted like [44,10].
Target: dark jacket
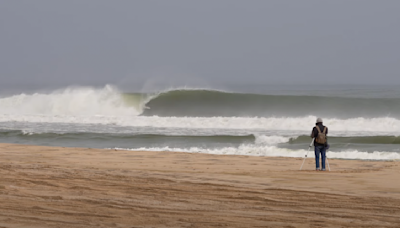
[315,133]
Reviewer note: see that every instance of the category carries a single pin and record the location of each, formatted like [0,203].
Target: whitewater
[202,121]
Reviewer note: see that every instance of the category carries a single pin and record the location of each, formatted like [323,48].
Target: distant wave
[190,102]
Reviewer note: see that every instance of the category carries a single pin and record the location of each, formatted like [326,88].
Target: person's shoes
[317,170]
[322,169]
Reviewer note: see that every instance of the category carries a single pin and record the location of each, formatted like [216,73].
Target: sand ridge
[82,187]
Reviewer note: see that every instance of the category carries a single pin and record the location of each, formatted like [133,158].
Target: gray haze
[137,44]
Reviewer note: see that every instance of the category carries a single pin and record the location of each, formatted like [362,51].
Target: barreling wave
[109,101]
[210,103]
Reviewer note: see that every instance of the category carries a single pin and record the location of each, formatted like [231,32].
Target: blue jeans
[318,150]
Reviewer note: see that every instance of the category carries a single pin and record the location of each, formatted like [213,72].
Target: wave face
[206,103]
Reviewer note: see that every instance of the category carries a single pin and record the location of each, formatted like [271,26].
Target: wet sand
[78,187]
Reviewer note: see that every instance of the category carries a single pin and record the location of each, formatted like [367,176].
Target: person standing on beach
[319,133]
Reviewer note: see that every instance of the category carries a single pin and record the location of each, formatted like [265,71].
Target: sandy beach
[82,187]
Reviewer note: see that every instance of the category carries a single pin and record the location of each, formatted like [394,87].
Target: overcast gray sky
[136,43]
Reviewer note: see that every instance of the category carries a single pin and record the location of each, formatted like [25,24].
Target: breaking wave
[109,101]
[73,101]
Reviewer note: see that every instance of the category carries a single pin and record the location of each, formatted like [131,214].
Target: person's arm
[326,135]
[326,143]
[313,133]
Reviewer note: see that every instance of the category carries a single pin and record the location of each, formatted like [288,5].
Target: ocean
[363,121]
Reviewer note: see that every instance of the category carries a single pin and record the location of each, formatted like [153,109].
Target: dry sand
[76,187]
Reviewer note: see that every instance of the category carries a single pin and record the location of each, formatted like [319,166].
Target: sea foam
[257,150]
[347,127]
[72,102]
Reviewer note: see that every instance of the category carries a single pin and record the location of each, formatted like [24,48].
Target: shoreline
[82,187]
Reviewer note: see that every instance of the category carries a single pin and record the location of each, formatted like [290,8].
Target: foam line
[251,150]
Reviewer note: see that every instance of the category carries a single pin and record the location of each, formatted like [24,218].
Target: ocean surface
[363,121]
